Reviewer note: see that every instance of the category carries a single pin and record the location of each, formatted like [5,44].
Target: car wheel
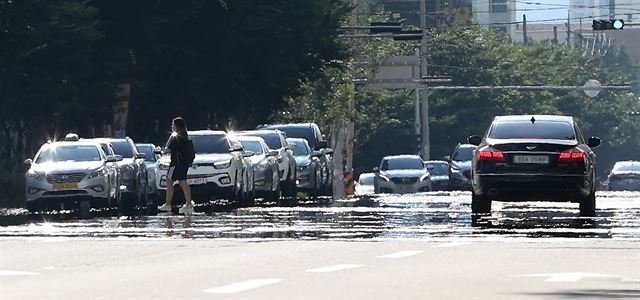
[127,205]
[480,204]
[588,206]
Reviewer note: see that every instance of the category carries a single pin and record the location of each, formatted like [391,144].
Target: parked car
[309,172]
[75,174]
[114,171]
[276,140]
[265,167]
[439,170]
[151,157]
[216,172]
[364,184]
[460,167]
[311,132]
[401,174]
[531,158]
[133,174]
[625,176]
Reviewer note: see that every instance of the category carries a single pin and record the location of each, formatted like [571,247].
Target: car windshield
[365,179]
[122,148]
[210,143]
[297,132]
[402,164]
[253,146]
[553,130]
[272,139]
[438,169]
[148,153]
[628,166]
[300,148]
[69,153]
[105,148]
[463,154]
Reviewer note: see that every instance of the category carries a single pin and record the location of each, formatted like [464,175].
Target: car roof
[206,132]
[298,140]
[289,125]
[67,143]
[527,118]
[401,156]
[436,162]
[145,145]
[627,163]
[466,146]
[259,131]
[366,175]
[249,138]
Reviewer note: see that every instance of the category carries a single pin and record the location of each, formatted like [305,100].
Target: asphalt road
[423,246]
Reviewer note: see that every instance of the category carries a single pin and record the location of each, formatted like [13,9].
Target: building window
[498,6]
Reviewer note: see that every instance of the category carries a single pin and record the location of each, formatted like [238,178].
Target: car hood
[302,160]
[440,178]
[201,158]
[67,167]
[461,164]
[403,173]
[257,159]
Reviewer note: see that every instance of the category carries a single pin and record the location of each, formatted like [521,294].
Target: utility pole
[424,109]
[568,29]
[525,40]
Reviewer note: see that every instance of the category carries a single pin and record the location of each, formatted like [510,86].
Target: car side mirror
[447,158]
[141,156]
[118,157]
[112,158]
[273,153]
[475,140]
[328,151]
[27,162]
[235,148]
[157,150]
[376,169]
[316,153]
[248,154]
[323,144]
[594,141]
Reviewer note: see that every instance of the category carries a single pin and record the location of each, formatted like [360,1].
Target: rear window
[527,130]
[463,154]
[272,139]
[253,146]
[210,143]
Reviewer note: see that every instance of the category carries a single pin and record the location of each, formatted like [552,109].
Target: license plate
[531,159]
[65,186]
[197,181]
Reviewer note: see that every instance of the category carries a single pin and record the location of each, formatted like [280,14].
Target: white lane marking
[334,268]
[452,244]
[401,254]
[16,273]
[569,277]
[242,286]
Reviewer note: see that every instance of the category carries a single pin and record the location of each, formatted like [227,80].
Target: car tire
[480,204]
[127,205]
[588,206]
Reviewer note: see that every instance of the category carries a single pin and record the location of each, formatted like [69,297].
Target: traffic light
[378,27]
[612,24]
[408,35]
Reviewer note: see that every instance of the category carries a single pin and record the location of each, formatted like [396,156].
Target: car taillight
[490,155]
[571,157]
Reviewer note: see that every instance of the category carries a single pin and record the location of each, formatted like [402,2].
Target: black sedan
[533,158]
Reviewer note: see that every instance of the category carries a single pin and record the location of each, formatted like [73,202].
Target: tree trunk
[338,160]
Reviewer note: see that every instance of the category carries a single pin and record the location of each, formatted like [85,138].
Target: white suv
[217,170]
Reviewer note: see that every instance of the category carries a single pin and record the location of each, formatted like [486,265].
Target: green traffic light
[618,24]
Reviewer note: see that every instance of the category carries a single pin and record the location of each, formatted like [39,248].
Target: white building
[605,9]
[496,14]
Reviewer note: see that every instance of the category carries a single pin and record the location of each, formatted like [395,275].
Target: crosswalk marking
[334,268]
[401,254]
[242,286]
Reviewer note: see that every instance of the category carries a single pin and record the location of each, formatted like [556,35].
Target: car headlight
[222,164]
[424,177]
[163,167]
[455,168]
[33,175]
[96,173]
[280,158]
[383,177]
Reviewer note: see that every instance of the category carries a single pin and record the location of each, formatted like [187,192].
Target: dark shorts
[177,172]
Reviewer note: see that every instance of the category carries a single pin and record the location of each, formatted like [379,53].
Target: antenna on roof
[533,120]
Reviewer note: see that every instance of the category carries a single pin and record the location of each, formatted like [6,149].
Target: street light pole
[424,108]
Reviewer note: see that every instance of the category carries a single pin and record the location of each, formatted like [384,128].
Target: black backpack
[188,153]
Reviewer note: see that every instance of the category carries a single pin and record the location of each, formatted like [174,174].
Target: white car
[73,174]
[364,184]
[217,170]
[401,174]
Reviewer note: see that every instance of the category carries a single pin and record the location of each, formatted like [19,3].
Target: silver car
[151,156]
[460,167]
[309,168]
[439,170]
[65,175]
[625,176]
[265,167]
[402,174]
